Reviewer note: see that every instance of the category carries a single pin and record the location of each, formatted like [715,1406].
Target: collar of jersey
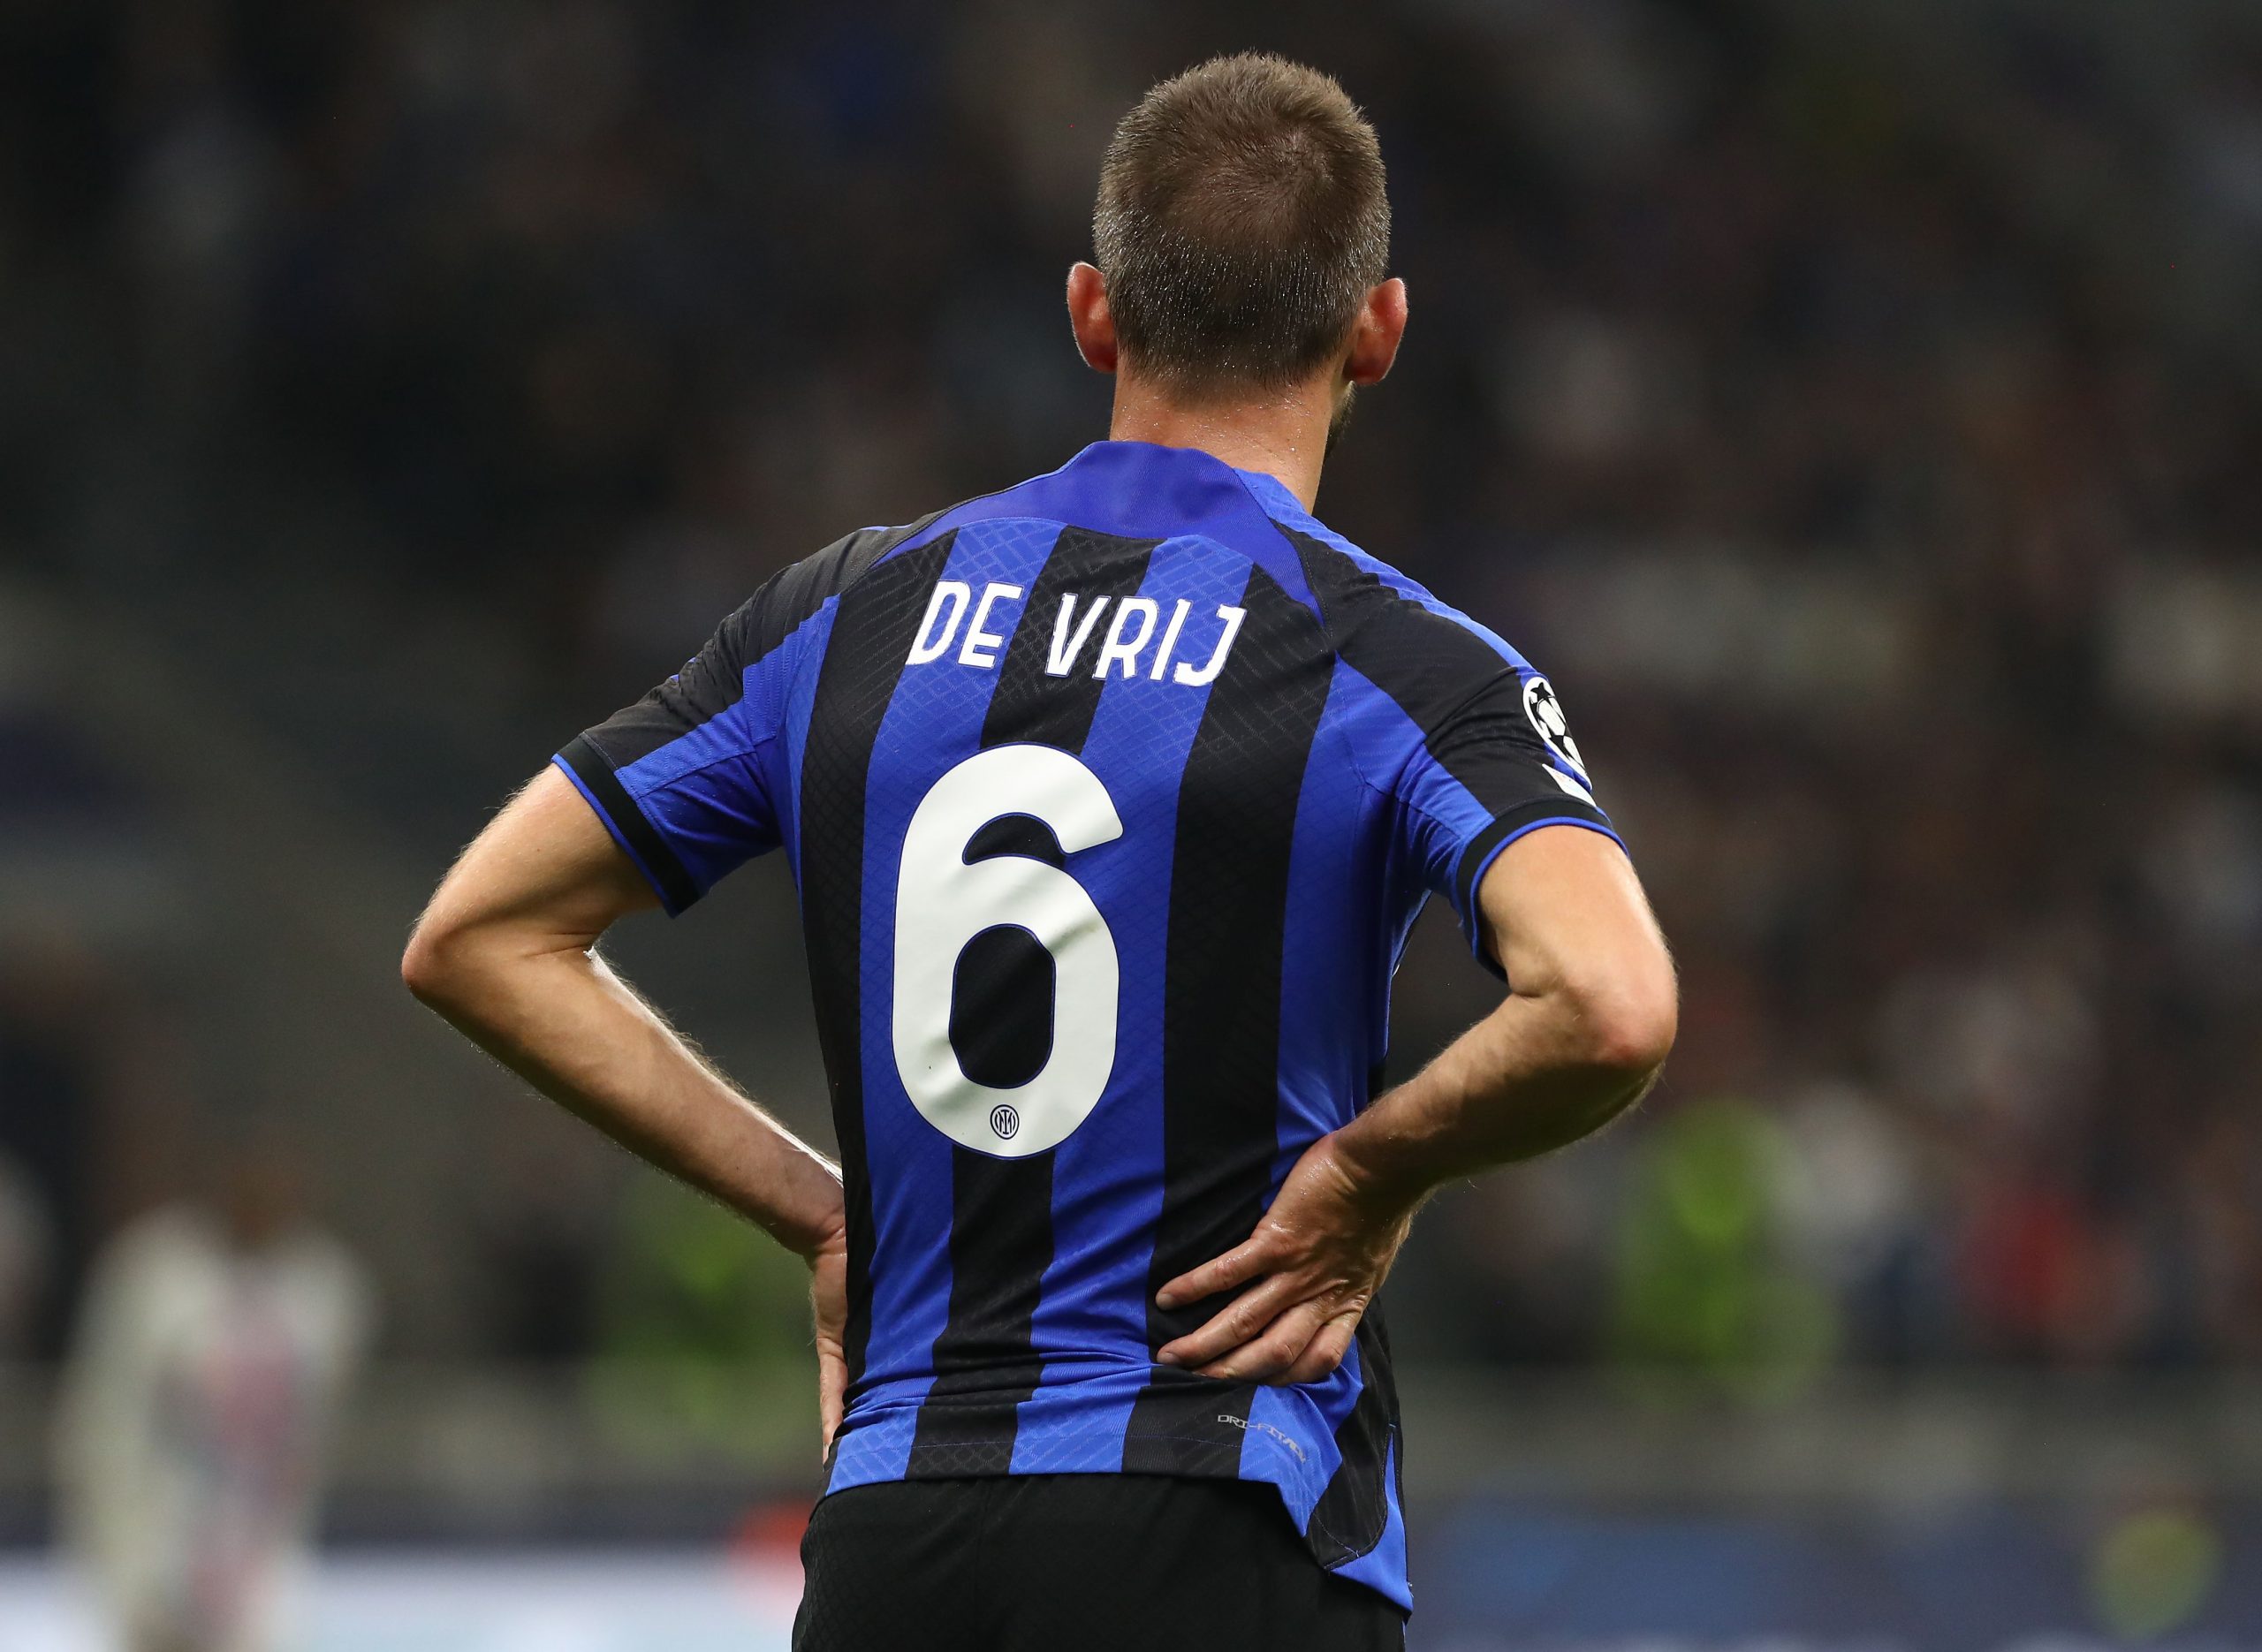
[1145,489]
[1271,492]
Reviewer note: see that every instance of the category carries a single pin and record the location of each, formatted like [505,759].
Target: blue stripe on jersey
[1334,993]
[1383,1568]
[1298,1424]
[931,725]
[800,695]
[1108,1176]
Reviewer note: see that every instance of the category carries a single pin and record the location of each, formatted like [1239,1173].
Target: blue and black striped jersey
[1111,798]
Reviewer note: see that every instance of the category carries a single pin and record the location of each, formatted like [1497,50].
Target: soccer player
[1111,798]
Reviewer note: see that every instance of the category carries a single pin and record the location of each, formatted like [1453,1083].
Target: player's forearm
[1540,1072]
[562,1020]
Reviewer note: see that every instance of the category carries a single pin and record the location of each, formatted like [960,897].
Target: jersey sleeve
[691,780]
[1500,764]
[679,777]
[1467,740]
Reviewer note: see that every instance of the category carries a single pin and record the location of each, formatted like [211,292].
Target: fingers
[1254,1256]
[831,1397]
[1269,1357]
[1239,1322]
[1267,1336]
[1325,1351]
[829,1308]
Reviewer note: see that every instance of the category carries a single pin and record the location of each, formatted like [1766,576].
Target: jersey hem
[1402,1597]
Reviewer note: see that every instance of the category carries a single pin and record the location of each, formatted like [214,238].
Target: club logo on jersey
[1004,1122]
[1546,714]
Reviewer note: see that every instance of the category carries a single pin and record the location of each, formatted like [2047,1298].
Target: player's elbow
[438,963]
[1627,1016]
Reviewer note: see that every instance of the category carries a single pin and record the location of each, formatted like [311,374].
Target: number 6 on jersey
[943,901]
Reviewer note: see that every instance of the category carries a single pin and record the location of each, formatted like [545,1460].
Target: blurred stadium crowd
[1861,431]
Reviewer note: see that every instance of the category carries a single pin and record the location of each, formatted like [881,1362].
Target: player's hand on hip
[1314,1263]
[829,1308]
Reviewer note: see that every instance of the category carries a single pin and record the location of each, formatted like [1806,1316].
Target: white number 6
[942,903]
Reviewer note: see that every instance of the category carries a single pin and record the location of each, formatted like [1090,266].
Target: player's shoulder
[1371,608]
[794,594]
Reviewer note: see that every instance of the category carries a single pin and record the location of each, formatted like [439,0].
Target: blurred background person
[214,1348]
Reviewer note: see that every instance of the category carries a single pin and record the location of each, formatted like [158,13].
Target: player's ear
[1088,316]
[1375,336]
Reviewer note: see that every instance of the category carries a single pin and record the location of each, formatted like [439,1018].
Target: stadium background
[1854,407]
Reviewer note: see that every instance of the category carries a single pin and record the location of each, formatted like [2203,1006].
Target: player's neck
[1281,433]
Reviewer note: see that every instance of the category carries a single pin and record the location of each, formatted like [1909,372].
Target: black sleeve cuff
[592,776]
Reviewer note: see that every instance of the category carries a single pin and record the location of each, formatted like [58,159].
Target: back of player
[1110,798]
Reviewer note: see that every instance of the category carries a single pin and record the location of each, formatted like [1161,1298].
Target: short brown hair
[1242,220]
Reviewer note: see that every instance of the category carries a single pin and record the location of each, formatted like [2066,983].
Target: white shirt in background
[196,1411]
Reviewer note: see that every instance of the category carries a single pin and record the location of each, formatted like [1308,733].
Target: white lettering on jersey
[1245,1425]
[1062,659]
[943,900]
[1119,647]
[1208,674]
[932,644]
[981,646]
[953,609]
[1170,638]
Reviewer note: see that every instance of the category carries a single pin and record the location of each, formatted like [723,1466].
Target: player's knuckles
[1248,1318]
[1285,1344]
[1228,1269]
[1310,1367]
[1253,1367]
[1275,1240]
[1193,1348]
[1209,1344]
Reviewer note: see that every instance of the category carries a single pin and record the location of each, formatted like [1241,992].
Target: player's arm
[1588,1019]
[1582,1034]
[506,951]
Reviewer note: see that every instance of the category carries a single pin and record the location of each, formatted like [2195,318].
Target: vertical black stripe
[1001,1209]
[1221,1010]
[871,634]
[1352,1512]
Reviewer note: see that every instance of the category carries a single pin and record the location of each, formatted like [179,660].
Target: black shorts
[1075,1563]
